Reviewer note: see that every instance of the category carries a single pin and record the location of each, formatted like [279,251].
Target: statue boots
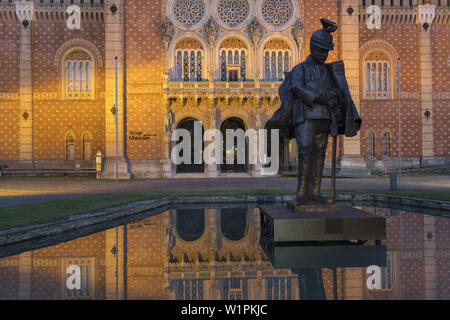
[304,194]
[317,176]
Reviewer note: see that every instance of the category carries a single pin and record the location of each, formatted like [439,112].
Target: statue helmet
[322,38]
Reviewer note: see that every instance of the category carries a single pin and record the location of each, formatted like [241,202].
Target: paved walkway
[20,190]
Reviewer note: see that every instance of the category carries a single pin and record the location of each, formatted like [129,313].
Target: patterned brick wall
[146,249]
[54,117]
[48,275]
[9,88]
[441,86]
[9,279]
[313,11]
[144,67]
[9,130]
[9,58]
[381,116]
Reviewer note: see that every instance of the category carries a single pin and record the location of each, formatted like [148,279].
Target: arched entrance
[233,223]
[233,124]
[190,223]
[192,167]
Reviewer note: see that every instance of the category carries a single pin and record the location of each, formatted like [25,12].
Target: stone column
[353,283]
[256,169]
[166,163]
[212,170]
[426,93]
[26,95]
[349,52]
[114,47]
[429,254]
[112,261]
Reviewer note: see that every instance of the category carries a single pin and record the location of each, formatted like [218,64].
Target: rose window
[277,12]
[233,12]
[189,12]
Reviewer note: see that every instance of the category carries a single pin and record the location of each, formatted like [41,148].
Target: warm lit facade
[220,62]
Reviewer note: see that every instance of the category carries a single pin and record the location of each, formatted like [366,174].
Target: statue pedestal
[315,208]
[279,224]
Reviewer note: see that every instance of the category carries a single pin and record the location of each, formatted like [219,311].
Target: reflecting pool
[204,252]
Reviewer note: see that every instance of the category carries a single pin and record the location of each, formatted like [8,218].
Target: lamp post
[399,127]
[117,131]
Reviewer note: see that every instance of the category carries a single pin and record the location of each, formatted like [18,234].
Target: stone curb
[17,235]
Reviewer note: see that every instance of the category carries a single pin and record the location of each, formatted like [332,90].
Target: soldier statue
[315,102]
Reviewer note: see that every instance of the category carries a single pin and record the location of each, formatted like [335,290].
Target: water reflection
[216,254]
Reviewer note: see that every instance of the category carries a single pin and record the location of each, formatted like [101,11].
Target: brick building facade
[217,61]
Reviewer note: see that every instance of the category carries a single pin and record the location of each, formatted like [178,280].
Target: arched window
[277,60]
[78,79]
[371,144]
[189,60]
[233,60]
[86,147]
[70,147]
[386,144]
[378,76]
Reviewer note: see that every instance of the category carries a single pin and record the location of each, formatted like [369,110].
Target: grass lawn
[45,212]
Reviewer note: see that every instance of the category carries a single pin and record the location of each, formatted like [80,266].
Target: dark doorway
[188,124]
[190,223]
[233,124]
[233,223]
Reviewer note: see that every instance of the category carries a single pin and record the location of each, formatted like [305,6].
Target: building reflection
[215,254]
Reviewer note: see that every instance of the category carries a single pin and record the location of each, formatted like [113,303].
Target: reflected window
[233,223]
[190,223]
[86,273]
[187,289]
[278,288]
[387,272]
[234,289]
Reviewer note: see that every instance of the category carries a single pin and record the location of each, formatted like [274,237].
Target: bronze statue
[316,102]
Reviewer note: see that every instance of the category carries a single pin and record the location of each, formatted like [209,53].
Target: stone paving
[20,190]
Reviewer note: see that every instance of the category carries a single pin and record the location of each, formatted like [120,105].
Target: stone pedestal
[256,170]
[109,171]
[279,224]
[212,170]
[315,208]
[167,169]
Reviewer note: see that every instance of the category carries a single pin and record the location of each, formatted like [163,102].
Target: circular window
[277,15]
[189,12]
[233,12]
[277,12]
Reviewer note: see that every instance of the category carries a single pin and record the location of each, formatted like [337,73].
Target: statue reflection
[309,261]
